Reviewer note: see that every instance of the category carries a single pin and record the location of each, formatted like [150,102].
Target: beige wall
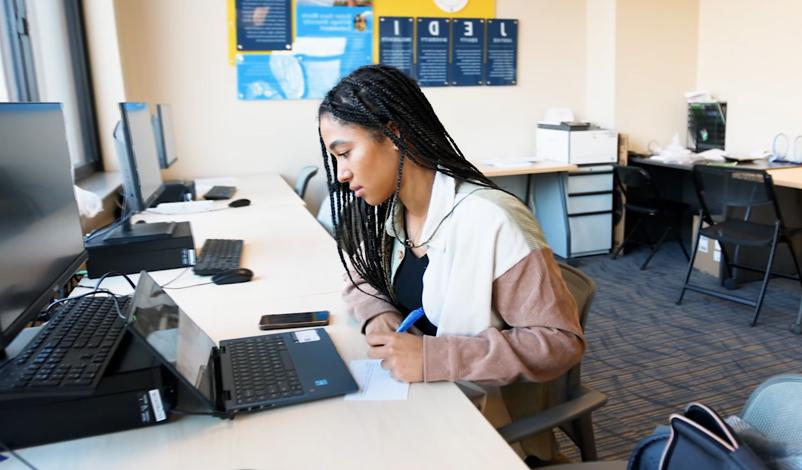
[656,43]
[746,57]
[600,55]
[175,52]
[107,77]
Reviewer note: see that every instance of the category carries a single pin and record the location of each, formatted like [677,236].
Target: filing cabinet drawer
[590,183]
[591,233]
[590,203]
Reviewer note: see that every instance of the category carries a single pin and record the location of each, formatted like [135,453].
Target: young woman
[418,225]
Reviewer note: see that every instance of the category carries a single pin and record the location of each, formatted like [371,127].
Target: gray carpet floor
[652,357]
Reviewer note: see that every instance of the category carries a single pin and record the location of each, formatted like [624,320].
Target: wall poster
[331,40]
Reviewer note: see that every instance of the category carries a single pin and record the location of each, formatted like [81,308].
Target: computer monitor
[138,157]
[165,140]
[41,242]
[142,180]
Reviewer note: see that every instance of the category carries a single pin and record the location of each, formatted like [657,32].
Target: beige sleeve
[361,305]
[544,339]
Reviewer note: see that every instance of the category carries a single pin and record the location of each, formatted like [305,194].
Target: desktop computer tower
[135,391]
[130,257]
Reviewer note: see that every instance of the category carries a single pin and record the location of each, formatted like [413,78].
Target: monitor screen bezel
[34,308]
[161,140]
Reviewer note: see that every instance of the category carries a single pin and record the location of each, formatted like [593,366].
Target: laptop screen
[171,333]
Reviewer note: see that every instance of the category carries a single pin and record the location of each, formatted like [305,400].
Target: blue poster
[395,42]
[431,65]
[467,61]
[330,42]
[264,25]
[502,52]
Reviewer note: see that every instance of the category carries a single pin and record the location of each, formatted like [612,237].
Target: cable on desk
[191,285]
[19,457]
[95,291]
[176,278]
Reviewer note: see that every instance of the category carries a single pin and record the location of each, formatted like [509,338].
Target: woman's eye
[344,154]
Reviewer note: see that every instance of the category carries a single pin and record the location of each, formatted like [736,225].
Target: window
[44,59]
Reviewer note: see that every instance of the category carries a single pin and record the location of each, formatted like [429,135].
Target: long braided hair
[375,97]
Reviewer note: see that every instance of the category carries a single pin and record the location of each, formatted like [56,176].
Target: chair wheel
[796,329]
[730,283]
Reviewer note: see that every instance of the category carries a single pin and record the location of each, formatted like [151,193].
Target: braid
[374,97]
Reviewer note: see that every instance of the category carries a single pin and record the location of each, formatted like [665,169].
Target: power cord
[95,291]
[19,457]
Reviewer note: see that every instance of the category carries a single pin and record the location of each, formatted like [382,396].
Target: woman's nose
[344,175]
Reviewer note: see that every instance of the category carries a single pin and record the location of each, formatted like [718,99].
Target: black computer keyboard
[218,255]
[262,369]
[70,353]
[220,192]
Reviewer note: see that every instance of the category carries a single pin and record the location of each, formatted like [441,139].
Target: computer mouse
[239,203]
[233,276]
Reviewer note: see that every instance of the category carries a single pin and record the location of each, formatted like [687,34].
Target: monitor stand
[139,232]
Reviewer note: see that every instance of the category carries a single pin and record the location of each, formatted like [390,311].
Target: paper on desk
[375,383]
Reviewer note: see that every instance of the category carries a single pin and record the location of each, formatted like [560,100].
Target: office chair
[643,199]
[740,208]
[302,182]
[324,215]
[775,408]
[569,402]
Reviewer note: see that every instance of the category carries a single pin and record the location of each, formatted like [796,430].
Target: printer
[578,143]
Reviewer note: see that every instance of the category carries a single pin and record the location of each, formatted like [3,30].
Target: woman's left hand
[401,353]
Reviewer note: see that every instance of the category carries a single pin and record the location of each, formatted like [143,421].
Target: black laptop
[243,374]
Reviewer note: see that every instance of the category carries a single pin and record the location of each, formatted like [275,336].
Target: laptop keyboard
[71,352]
[218,255]
[263,370]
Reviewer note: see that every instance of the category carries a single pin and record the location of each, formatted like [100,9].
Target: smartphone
[293,320]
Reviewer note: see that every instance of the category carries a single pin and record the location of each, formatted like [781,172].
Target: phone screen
[293,320]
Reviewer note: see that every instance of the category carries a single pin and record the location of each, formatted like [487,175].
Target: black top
[408,286]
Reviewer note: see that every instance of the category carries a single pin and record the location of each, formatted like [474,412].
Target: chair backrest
[735,193]
[304,176]
[583,288]
[324,215]
[775,408]
[635,184]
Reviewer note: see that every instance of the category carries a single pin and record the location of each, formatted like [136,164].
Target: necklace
[409,242]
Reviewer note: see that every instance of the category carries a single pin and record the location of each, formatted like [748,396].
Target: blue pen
[409,320]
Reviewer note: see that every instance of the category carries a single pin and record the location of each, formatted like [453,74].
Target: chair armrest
[587,401]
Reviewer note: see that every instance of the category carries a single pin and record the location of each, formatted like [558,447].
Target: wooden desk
[790,177]
[545,166]
[297,269]
[787,177]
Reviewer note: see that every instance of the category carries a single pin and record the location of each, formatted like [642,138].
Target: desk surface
[296,269]
[534,168]
[790,177]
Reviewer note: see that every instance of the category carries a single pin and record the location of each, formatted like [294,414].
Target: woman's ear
[394,129]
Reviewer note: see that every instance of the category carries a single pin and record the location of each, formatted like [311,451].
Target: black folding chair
[643,199]
[740,209]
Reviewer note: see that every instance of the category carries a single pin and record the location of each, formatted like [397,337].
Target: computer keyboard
[70,353]
[218,255]
[262,370]
[220,192]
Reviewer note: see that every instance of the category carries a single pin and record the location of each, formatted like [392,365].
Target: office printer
[578,143]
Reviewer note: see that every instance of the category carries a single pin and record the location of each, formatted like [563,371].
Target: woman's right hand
[385,322]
